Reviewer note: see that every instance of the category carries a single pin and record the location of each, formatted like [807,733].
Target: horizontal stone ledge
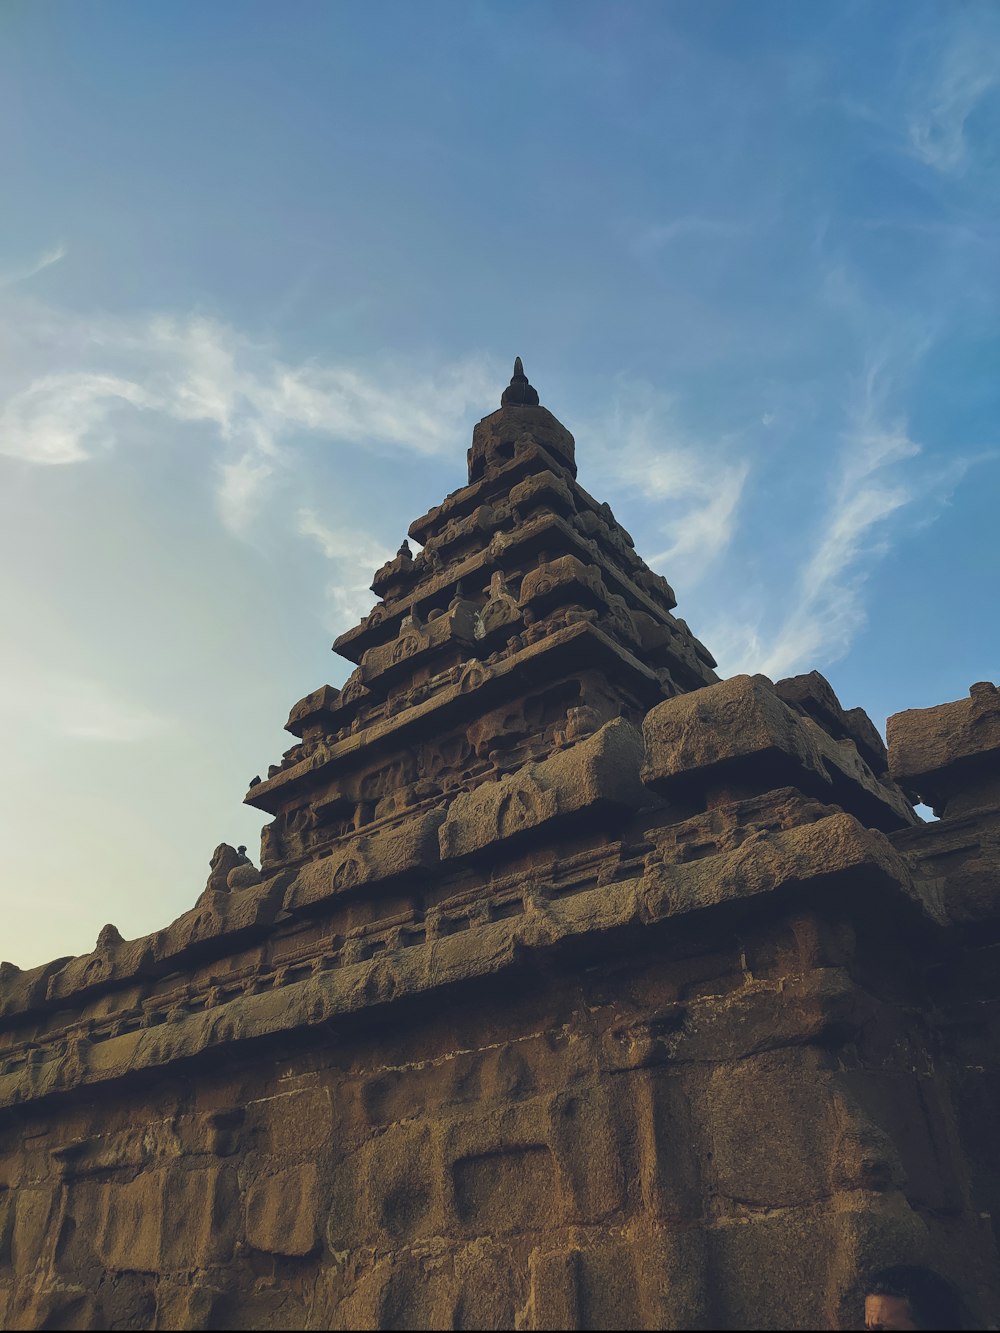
[836,846]
[599,772]
[480,686]
[218,922]
[934,752]
[368,860]
[739,734]
[835,858]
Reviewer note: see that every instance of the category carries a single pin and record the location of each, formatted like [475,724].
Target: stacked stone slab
[576,988]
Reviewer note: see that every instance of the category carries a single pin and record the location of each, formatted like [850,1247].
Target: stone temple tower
[577,988]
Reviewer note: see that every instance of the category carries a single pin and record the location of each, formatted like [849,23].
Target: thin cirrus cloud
[45,260]
[199,370]
[356,555]
[695,483]
[877,475]
[937,122]
[59,418]
[657,236]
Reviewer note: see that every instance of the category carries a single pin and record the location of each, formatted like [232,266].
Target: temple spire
[519,392]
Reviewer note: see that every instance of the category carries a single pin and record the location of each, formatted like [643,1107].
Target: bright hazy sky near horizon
[262,268]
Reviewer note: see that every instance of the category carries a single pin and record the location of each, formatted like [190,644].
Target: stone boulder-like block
[939,753]
[280,1211]
[813,695]
[167,1218]
[707,737]
[21,991]
[315,711]
[833,855]
[601,771]
[387,1193]
[740,737]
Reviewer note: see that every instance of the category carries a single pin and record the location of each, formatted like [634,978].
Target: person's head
[907,1296]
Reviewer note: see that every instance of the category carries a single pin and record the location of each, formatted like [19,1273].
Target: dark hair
[934,1302]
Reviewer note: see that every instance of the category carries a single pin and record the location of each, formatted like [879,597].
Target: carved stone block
[371,859]
[601,771]
[938,753]
[739,736]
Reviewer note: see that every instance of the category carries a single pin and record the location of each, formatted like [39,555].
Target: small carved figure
[501,607]
[244,874]
[224,859]
[583,720]
[270,844]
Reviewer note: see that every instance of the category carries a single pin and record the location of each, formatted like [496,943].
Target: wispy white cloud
[63,418]
[356,556]
[695,483]
[968,71]
[342,543]
[199,370]
[242,484]
[879,472]
[9,277]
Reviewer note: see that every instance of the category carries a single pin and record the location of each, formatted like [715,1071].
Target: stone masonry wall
[712,1130]
[700,1088]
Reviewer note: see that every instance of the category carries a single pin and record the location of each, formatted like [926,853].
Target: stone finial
[519,392]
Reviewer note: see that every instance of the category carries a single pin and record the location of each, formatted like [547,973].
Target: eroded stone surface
[576,989]
[949,751]
[741,735]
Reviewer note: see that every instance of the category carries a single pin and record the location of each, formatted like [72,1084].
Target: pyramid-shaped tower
[576,988]
[526,623]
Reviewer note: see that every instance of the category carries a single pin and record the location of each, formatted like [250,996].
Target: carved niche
[501,609]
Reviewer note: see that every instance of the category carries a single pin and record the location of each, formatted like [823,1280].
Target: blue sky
[262,268]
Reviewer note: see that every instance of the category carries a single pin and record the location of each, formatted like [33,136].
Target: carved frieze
[600,771]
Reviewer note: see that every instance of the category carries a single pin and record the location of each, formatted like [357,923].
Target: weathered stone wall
[576,989]
[712,1128]
[949,757]
[701,1076]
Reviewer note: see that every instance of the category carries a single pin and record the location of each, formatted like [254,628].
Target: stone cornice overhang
[548,530]
[573,648]
[832,863]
